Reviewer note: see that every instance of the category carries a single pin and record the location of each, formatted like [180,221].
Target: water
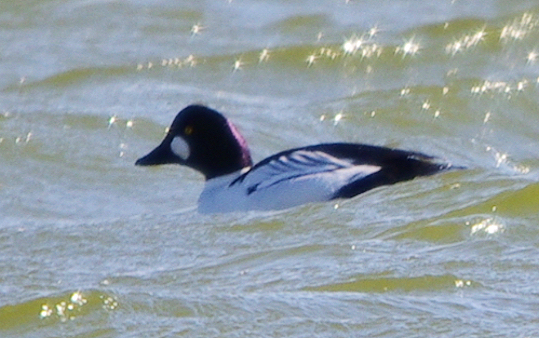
[92,246]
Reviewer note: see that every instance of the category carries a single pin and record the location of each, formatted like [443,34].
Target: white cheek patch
[180,148]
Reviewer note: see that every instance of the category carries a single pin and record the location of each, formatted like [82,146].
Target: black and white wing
[328,171]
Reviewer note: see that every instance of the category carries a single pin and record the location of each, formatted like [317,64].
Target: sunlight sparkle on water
[532,57]
[409,47]
[351,45]
[64,309]
[264,55]
[364,44]
[196,29]
[487,117]
[521,85]
[503,158]
[112,120]
[21,139]
[373,31]
[338,117]
[328,53]
[77,298]
[459,283]
[238,64]
[519,28]
[172,62]
[46,311]
[500,158]
[109,303]
[488,226]
[311,59]
[465,42]
[491,86]
[371,50]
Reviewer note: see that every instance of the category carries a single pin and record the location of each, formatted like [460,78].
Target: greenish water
[92,246]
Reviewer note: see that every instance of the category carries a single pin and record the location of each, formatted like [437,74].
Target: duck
[203,139]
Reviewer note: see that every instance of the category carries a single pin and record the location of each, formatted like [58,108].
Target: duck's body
[205,140]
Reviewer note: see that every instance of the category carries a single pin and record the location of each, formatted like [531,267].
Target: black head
[202,139]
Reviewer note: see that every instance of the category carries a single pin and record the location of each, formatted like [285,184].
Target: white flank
[293,179]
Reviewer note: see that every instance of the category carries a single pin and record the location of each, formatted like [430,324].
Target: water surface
[92,246]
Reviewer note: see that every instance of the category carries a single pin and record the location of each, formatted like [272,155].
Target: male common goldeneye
[203,139]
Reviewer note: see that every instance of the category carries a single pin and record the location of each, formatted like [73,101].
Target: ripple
[396,284]
[51,310]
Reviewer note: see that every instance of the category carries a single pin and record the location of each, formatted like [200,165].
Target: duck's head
[203,139]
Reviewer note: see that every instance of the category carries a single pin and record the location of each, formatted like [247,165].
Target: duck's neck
[231,155]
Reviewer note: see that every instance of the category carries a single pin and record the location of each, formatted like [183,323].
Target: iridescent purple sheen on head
[246,154]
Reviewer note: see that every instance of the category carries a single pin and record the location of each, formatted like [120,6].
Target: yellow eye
[188,130]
